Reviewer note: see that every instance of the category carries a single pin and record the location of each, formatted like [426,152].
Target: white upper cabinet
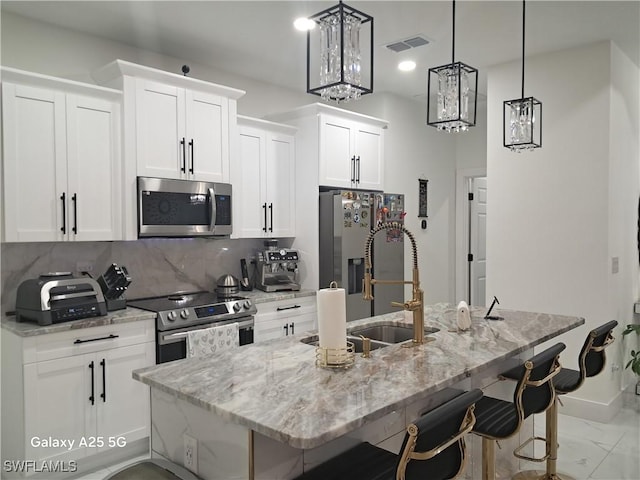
[182,134]
[264,180]
[61,160]
[174,127]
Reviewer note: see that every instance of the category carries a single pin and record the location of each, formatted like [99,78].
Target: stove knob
[171,316]
[184,314]
[246,304]
[236,307]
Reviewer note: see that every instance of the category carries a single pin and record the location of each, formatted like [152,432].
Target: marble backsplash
[158,266]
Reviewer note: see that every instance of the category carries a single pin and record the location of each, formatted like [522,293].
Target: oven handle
[176,337]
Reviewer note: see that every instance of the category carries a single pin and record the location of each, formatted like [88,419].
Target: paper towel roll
[332,317]
[464,317]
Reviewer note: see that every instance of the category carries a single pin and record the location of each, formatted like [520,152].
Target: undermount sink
[389,333]
[357,342]
[379,335]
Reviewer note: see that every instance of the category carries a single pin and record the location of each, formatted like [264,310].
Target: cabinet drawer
[87,340]
[286,308]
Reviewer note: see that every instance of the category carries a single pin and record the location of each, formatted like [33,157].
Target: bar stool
[152,469]
[499,419]
[433,448]
[591,361]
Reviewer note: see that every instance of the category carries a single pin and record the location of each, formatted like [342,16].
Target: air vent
[411,42]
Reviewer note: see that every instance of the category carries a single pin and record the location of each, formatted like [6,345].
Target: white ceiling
[256,39]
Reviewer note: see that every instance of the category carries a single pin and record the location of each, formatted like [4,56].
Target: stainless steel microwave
[183,208]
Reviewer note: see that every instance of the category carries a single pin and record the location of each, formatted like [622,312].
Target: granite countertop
[28,329]
[258,296]
[275,389]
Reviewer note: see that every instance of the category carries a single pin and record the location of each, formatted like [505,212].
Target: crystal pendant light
[456,93]
[342,58]
[522,118]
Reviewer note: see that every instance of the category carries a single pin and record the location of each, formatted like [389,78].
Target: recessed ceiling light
[303,24]
[407,65]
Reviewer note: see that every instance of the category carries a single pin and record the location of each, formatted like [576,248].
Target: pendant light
[341,65]
[522,120]
[456,91]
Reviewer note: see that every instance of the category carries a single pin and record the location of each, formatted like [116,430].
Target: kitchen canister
[332,325]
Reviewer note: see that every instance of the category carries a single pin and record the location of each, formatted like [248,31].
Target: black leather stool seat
[495,418]
[433,448]
[567,380]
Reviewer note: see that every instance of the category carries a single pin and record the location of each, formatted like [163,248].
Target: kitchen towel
[464,317]
[332,318]
[211,340]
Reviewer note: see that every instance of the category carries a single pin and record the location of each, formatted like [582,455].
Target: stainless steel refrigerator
[346,218]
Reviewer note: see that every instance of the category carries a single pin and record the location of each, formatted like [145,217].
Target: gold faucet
[416,304]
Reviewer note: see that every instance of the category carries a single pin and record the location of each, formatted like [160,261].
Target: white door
[368,150]
[250,196]
[477,241]
[93,169]
[207,137]
[160,130]
[122,402]
[280,183]
[336,162]
[58,405]
[35,164]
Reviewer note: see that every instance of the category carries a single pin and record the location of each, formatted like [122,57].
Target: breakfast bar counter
[275,389]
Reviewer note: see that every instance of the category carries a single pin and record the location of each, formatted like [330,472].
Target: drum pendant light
[456,92]
[522,119]
[339,65]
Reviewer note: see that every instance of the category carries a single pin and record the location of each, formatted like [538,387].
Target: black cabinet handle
[279,309]
[63,197]
[103,395]
[291,325]
[271,215]
[264,208]
[358,171]
[286,330]
[183,168]
[74,199]
[96,339]
[191,150]
[92,397]
[353,168]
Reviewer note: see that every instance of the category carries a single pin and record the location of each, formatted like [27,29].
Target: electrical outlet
[84,266]
[191,453]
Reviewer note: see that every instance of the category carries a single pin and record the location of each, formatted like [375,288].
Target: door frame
[462,229]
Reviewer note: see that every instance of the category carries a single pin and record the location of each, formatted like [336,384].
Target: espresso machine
[277,268]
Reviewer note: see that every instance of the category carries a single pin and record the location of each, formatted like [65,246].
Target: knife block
[117,303]
[114,283]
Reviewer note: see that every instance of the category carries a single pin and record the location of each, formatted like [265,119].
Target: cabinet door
[160,130]
[57,405]
[369,152]
[35,168]
[275,319]
[336,157]
[123,403]
[207,120]
[93,169]
[249,190]
[280,171]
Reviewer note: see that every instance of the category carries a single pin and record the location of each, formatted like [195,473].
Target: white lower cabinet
[73,394]
[284,317]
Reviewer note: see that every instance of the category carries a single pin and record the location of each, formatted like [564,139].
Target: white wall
[554,220]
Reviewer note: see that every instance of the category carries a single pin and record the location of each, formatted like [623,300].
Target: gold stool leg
[488,459]
[551,421]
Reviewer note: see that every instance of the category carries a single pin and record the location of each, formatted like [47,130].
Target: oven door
[172,344]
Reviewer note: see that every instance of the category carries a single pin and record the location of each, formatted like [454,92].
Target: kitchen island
[268,402]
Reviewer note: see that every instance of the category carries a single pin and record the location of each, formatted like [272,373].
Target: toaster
[59,297]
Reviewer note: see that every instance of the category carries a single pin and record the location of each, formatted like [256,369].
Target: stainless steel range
[183,312]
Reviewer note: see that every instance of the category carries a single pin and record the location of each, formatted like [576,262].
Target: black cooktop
[179,300]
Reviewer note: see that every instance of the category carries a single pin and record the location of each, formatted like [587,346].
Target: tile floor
[588,450]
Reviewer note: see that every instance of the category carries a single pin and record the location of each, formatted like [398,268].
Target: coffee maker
[277,268]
